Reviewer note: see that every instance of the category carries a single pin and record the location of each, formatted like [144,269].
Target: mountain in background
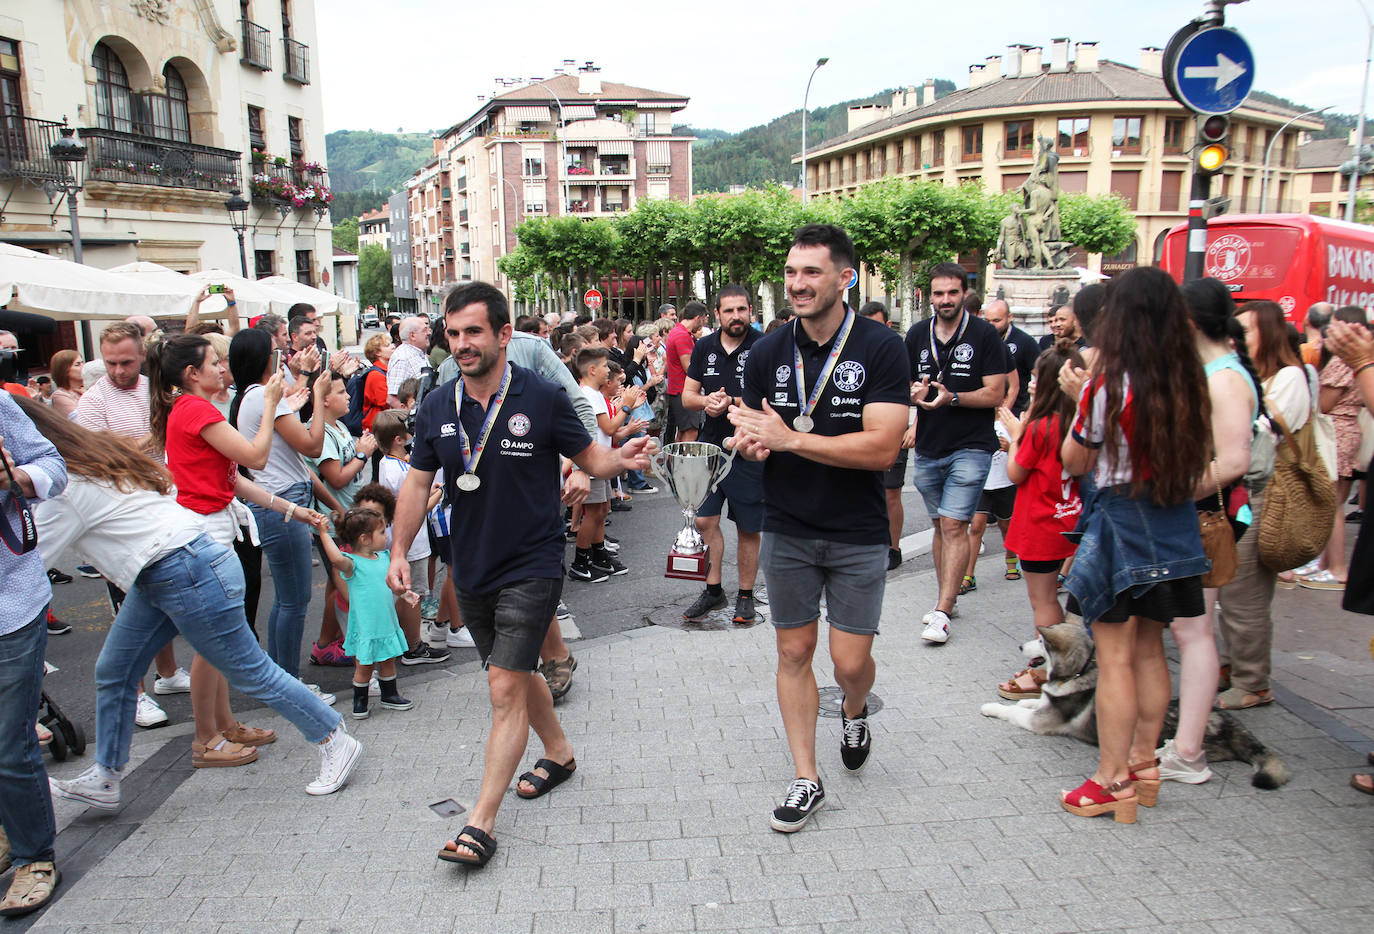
[365,166]
[763,154]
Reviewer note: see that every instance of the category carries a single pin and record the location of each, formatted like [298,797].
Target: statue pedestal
[1030,293]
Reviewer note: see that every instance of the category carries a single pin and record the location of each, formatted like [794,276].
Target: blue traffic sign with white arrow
[1212,71]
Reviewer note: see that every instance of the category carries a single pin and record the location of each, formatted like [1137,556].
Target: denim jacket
[1130,544]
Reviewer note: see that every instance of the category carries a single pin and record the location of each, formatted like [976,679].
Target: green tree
[1097,223]
[374,276]
[345,234]
[564,247]
[655,242]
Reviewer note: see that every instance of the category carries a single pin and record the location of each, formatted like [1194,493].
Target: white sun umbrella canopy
[62,290]
[326,303]
[262,296]
[213,307]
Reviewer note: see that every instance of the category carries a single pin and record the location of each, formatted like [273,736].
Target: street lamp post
[805,98]
[70,156]
[1359,121]
[237,206]
[1269,152]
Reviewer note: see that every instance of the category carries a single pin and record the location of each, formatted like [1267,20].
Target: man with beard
[1063,327]
[825,403]
[961,368]
[715,381]
[1021,350]
[497,432]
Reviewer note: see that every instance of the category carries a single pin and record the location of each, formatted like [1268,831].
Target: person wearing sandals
[1244,621]
[1233,389]
[1355,346]
[825,431]
[1048,502]
[32,471]
[1139,560]
[203,452]
[497,433]
[119,512]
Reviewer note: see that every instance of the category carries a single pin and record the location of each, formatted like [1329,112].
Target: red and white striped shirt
[106,407]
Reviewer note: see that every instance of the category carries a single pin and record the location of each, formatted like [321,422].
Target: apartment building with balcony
[374,227]
[177,104]
[571,144]
[1114,126]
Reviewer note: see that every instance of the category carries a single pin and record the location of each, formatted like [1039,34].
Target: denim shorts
[509,624]
[743,489]
[953,484]
[800,569]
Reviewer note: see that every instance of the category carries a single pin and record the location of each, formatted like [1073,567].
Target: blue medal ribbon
[472,456]
[808,403]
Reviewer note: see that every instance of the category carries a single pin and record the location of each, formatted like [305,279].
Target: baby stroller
[64,737]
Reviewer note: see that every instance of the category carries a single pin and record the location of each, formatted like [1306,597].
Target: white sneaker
[338,754]
[178,683]
[90,787]
[1175,768]
[436,634]
[460,639]
[327,698]
[374,687]
[149,713]
[937,627]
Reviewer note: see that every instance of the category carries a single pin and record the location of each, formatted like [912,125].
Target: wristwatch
[953,398]
[359,456]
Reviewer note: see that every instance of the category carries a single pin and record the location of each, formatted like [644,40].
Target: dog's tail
[1270,770]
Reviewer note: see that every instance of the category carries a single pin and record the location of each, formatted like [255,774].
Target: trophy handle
[723,468]
[658,462]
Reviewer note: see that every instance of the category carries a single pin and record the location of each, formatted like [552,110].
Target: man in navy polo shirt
[1022,349]
[961,369]
[497,432]
[825,404]
[714,382]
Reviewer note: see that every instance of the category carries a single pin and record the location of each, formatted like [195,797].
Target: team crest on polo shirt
[783,374]
[710,358]
[963,353]
[925,355]
[448,430]
[1012,348]
[519,424]
[849,376]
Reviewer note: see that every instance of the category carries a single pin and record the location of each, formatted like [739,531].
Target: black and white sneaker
[604,561]
[704,606]
[855,741]
[424,654]
[587,573]
[563,611]
[58,577]
[804,798]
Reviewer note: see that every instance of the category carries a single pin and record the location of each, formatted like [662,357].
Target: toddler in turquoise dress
[374,636]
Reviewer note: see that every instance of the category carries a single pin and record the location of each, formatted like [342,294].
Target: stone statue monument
[1030,236]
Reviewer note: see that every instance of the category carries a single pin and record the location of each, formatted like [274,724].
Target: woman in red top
[203,453]
[1047,503]
[378,352]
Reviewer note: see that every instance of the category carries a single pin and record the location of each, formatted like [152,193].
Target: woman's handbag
[1299,503]
[1218,541]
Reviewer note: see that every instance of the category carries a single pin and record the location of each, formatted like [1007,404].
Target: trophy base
[688,567]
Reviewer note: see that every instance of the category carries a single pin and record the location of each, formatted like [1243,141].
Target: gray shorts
[798,570]
[509,624]
[598,491]
[683,418]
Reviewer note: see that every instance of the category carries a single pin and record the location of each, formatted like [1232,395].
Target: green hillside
[361,160]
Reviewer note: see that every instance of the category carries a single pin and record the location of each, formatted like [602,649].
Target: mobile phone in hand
[276,361]
[217,289]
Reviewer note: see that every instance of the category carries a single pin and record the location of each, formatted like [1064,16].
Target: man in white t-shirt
[409,359]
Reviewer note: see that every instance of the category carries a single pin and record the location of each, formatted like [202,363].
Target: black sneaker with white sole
[804,798]
[424,654]
[603,560]
[855,741]
[585,572]
[704,606]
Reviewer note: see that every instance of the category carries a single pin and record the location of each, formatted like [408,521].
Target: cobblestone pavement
[954,825]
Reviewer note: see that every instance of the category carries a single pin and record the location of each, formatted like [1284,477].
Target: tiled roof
[376,215]
[1112,81]
[344,254]
[1324,152]
[566,87]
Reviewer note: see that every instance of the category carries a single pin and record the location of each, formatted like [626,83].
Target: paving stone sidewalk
[954,825]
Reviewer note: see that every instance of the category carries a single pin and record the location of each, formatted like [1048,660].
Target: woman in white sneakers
[119,511]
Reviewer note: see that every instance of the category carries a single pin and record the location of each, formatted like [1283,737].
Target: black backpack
[353,421]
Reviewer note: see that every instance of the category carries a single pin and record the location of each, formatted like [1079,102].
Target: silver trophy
[691,470]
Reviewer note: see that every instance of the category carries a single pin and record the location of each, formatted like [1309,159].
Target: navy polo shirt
[1023,350]
[803,498]
[966,359]
[714,368]
[511,527]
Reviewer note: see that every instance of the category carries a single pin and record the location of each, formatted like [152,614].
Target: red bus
[1292,259]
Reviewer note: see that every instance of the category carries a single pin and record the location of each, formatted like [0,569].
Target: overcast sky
[420,64]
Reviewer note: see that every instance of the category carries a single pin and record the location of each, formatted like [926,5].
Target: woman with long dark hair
[120,512]
[1233,388]
[202,453]
[284,476]
[1140,431]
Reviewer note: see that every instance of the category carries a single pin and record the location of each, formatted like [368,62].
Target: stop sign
[592,299]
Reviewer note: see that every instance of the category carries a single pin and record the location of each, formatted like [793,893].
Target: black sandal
[479,842]
[558,774]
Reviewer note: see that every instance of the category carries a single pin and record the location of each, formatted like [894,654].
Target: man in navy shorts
[960,365]
[497,432]
[825,403]
[715,381]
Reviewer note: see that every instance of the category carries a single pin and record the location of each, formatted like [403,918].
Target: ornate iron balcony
[112,156]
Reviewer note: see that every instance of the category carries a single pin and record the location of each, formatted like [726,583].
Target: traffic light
[1212,149]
